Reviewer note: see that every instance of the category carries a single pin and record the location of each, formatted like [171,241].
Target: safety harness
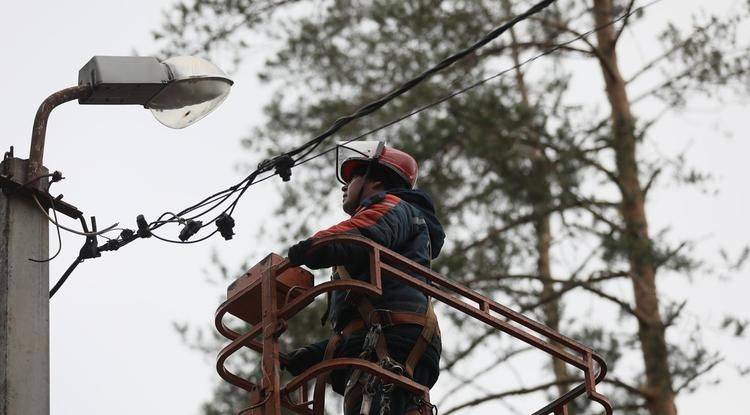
[361,386]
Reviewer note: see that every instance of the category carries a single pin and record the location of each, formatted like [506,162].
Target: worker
[379,195]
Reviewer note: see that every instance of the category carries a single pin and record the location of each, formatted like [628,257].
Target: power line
[408,85]
[476,84]
[283,163]
[315,142]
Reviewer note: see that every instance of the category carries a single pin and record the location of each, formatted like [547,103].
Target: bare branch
[568,286]
[673,79]
[623,305]
[513,392]
[601,218]
[580,156]
[471,380]
[670,318]
[449,364]
[697,374]
[671,254]
[614,381]
[651,181]
[650,65]
[670,81]
[624,23]
[521,220]
[565,28]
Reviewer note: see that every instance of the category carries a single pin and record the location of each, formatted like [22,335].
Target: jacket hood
[423,202]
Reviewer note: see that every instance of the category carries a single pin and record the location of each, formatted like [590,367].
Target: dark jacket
[401,220]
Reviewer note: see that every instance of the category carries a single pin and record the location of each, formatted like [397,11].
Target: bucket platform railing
[281,300]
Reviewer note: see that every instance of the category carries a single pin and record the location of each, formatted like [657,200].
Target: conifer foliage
[543,188]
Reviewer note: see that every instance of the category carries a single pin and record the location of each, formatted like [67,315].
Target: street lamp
[179,91]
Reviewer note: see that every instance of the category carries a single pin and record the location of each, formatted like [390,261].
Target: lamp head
[179,91]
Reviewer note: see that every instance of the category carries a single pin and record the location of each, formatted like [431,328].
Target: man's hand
[298,252]
[299,360]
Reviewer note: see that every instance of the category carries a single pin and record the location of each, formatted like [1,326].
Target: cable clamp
[191,228]
[225,224]
[283,165]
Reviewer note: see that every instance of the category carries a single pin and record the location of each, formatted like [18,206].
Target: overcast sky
[113,348]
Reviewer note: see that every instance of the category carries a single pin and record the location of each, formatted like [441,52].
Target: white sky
[113,348]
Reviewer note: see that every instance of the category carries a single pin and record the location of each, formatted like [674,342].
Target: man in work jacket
[379,196]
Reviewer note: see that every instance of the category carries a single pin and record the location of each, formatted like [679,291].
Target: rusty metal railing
[269,396]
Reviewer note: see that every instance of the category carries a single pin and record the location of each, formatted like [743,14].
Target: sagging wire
[303,159]
[56,223]
[88,250]
[225,227]
[472,86]
[55,176]
[65,276]
[283,163]
[222,196]
[59,237]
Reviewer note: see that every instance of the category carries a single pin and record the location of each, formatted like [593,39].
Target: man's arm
[386,222]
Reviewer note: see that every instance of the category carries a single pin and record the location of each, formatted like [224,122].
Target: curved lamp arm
[39,131]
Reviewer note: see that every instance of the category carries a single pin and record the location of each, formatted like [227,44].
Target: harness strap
[371,316]
[319,393]
[429,329]
[387,318]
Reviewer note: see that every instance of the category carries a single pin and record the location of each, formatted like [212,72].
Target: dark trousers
[400,340]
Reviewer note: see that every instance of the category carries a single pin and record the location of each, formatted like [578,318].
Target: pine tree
[518,164]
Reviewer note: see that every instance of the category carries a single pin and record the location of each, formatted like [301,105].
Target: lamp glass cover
[197,88]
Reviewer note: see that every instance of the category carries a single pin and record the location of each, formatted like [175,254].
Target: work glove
[299,360]
[298,252]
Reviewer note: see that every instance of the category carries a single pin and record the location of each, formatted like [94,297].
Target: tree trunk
[650,325]
[543,232]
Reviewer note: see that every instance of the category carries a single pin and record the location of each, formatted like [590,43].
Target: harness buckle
[390,364]
[371,340]
[382,317]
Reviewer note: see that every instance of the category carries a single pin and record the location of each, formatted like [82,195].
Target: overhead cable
[285,160]
[281,163]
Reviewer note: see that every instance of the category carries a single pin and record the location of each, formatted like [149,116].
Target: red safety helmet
[356,154]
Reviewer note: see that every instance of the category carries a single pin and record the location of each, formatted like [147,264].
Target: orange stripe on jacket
[364,218]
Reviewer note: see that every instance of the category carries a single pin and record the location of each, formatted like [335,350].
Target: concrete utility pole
[24,299]
[179,92]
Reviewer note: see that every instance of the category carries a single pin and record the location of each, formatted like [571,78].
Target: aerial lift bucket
[273,291]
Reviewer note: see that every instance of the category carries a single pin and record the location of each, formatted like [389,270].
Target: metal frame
[269,396]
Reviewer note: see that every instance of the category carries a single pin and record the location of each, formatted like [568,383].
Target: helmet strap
[374,161]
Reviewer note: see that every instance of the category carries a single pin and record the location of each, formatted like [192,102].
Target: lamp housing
[179,91]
